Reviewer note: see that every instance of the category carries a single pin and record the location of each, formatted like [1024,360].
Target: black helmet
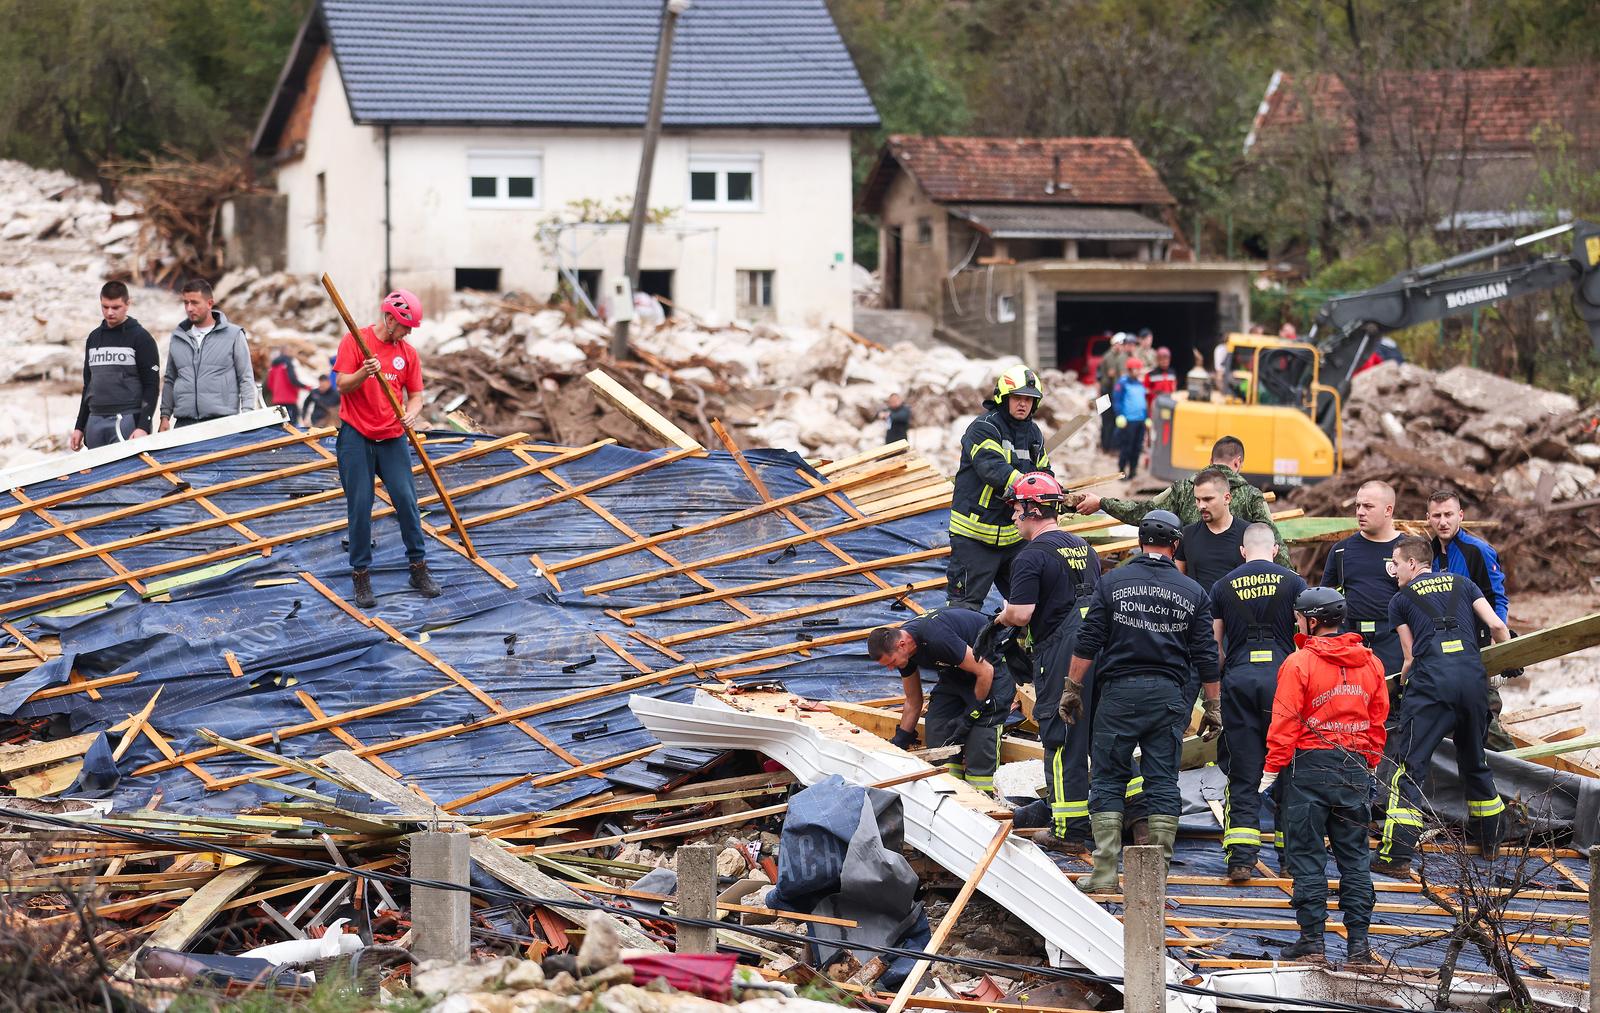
[1324,604]
[1160,527]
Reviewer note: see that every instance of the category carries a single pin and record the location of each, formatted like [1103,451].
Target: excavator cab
[1270,398]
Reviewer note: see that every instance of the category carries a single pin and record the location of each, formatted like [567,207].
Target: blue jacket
[1476,560]
[1128,399]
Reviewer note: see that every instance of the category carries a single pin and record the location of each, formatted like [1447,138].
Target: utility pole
[647,163]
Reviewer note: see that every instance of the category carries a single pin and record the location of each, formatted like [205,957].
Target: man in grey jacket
[208,372]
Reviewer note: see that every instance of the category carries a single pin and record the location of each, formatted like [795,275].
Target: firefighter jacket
[1331,695]
[996,450]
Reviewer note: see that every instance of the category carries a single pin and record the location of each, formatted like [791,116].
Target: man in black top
[1253,609]
[1051,580]
[1435,617]
[969,704]
[121,376]
[899,415]
[1210,548]
[1148,632]
[1362,568]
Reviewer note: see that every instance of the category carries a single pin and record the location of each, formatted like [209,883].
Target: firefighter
[1148,633]
[1446,693]
[1051,580]
[1326,740]
[1457,550]
[999,447]
[969,704]
[1253,607]
[1362,568]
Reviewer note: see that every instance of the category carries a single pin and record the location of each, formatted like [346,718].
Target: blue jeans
[360,459]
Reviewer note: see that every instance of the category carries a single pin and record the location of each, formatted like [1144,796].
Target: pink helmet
[404,306]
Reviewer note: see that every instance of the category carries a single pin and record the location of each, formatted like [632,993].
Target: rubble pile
[1516,454]
[182,203]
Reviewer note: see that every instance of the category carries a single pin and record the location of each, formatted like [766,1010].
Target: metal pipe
[1473,256]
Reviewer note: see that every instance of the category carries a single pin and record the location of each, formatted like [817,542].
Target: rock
[476,1002]
[731,862]
[602,947]
[1392,427]
[526,974]
[440,977]
[1490,394]
[1586,453]
[616,974]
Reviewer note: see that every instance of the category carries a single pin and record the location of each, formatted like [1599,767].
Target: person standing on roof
[968,706]
[1435,617]
[1456,550]
[1253,609]
[371,442]
[1148,633]
[1051,581]
[999,447]
[208,373]
[1361,567]
[1129,403]
[1325,741]
[1245,500]
[121,376]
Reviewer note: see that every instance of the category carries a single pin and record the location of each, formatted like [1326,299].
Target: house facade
[1043,247]
[503,155]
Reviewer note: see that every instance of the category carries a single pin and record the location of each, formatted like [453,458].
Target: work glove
[1513,673]
[1071,707]
[1267,781]
[1210,720]
[1122,422]
[904,738]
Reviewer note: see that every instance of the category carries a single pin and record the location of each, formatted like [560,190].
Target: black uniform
[121,383]
[955,715]
[1056,573]
[996,450]
[899,423]
[1208,557]
[1149,632]
[1358,567]
[1446,694]
[1256,605]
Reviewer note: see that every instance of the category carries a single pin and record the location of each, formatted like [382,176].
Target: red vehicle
[1086,363]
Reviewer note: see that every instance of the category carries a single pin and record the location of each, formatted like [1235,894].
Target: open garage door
[1182,321]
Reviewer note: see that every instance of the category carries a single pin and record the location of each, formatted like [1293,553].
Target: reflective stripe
[986,496]
[1367,627]
[1492,807]
[1135,786]
[1395,816]
[993,445]
[1257,657]
[969,526]
[980,782]
[1084,611]
[1404,818]
[1241,835]
[1070,810]
[956,769]
[1451,647]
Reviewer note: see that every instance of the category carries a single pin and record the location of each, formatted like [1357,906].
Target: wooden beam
[903,591]
[635,409]
[947,924]
[1543,645]
[86,686]
[180,928]
[571,491]
[84,550]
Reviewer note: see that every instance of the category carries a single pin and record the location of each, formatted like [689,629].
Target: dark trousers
[1327,796]
[1142,711]
[975,567]
[1108,429]
[949,723]
[1130,441]
[360,459]
[1247,691]
[1441,698]
[101,430]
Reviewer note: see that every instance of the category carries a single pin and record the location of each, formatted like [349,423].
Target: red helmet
[404,306]
[1038,487]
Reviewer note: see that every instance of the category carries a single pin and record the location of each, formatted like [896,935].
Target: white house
[446,144]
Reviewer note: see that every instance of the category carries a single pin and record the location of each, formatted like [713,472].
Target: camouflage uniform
[1247,503]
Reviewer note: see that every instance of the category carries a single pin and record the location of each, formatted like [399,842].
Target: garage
[1185,322]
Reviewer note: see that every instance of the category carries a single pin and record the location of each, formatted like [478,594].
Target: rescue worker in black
[1362,569]
[999,447]
[968,705]
[1148,632]
[1051,581]
[1253,607]
[1446,693]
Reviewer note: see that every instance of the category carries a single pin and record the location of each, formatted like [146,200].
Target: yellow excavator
[1285,398]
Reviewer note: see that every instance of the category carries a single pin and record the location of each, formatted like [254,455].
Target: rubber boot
[1306,949]
[1164,834]
[422,581]
[1357,950]
[362,579]
[1107,849]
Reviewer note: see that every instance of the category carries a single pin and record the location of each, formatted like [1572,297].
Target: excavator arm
[1349,327]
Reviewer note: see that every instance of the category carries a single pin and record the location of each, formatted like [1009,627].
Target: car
[1087,363]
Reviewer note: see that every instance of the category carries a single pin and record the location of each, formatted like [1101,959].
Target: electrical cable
[759,932]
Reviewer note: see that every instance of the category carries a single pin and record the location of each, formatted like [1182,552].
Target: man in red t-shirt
[372,441]
[1161,380]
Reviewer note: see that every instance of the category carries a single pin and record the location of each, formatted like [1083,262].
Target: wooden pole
[400,416]
[948,923]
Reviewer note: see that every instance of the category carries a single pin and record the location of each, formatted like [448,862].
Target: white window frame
[744,277]
[722,165]
[502,164]
[1005,310]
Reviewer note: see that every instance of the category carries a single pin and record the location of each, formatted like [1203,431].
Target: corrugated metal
[767,63]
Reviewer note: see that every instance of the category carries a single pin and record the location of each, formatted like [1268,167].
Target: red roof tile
[1496,110]
[1096,170]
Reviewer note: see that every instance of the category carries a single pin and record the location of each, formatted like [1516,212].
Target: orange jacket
[1331,695]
